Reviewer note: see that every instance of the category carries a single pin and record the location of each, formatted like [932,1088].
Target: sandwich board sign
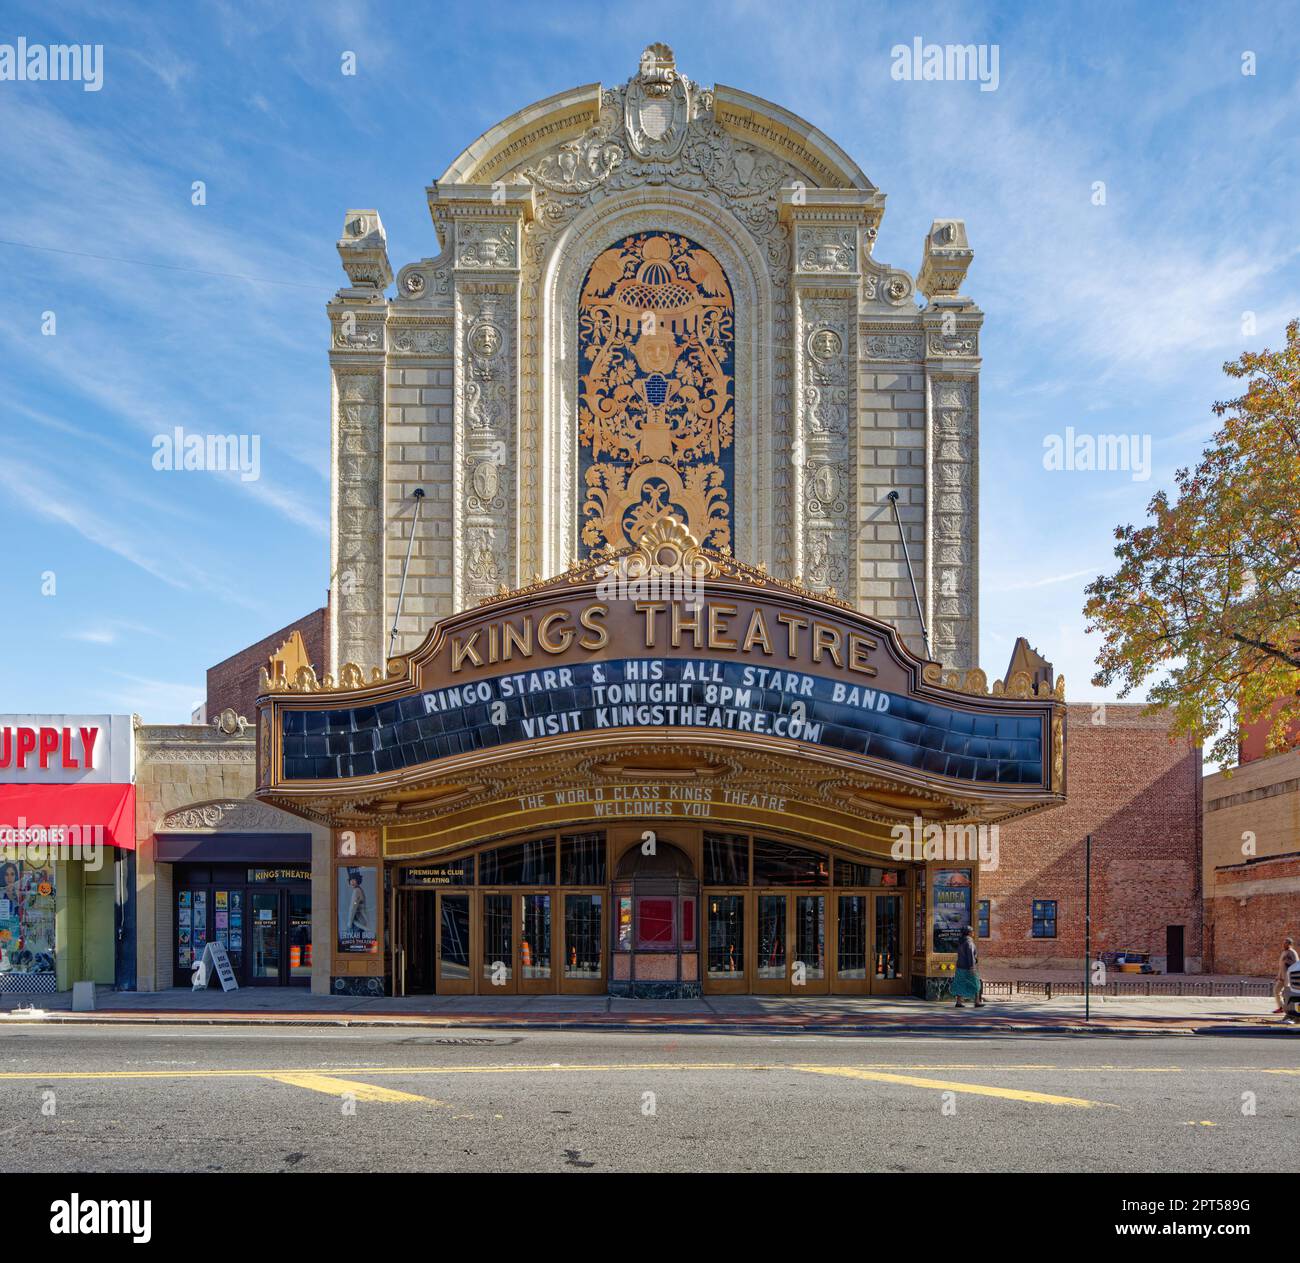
[214,957]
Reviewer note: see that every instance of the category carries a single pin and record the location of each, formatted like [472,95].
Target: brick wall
[1249,909]
[1139,795]
[891,456]
[233,683]
[418,452]
[1257,805]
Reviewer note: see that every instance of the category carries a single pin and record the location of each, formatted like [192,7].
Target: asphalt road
[89,1099]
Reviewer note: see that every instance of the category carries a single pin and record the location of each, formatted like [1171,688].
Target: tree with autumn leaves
[1207,594]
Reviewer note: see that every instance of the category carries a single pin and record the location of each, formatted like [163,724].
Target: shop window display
[27,942]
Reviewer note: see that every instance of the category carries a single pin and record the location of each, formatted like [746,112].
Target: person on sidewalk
[966,981]
[1289,957]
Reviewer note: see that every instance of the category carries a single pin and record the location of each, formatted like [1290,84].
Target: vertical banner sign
[950,898]
[358,904]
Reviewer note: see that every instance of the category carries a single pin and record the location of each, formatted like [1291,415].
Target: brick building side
[1250,909]
[1256,807]
[233,683]
[1252,844]
[1139,794]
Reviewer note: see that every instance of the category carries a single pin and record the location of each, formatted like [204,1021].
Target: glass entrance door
[724,941]
[808,973]
[299,935]
[583,958]
[264,938]
[790,943]
[535,973]
[852,975]
[497,972]
[452,945]
[888,967]
[772,959]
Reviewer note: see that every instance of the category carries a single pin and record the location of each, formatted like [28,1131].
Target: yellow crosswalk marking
[347,1087]
[943,1085]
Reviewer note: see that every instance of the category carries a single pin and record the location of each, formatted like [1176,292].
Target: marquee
[662,666]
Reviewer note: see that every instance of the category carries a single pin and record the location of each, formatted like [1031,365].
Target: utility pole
[1087,928]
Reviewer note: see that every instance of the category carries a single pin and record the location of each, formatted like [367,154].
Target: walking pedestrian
[966,984]
[1289,957]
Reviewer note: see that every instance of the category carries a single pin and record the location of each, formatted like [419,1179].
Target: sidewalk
[1136,1015]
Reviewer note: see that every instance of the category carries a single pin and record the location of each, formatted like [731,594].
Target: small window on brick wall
[982,918]
[1044,918]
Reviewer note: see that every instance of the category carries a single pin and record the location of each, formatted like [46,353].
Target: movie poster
[357,909]
[950,900]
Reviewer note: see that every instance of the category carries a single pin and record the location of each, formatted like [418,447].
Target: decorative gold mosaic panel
[656,413]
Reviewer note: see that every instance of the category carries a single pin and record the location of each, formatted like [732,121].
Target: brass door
[582,944]
[888,961]
[498,970]
[728,921]
[852,965]
[790,943]
[537,940]
[453,945]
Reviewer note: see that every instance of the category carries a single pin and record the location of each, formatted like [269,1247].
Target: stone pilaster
[357,319]
[418,430]
[951,324]
[482,226]
[828,228]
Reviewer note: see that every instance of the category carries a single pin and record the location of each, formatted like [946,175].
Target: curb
[703,1027]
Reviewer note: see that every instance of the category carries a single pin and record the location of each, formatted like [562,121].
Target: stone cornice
[830,206]
[538,126]
[771,127]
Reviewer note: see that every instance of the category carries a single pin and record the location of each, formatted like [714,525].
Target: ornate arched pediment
[228,815]
[585,133]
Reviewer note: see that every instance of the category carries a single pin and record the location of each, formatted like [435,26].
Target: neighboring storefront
[219,867]
[260,913]
[752,789]
[67,862]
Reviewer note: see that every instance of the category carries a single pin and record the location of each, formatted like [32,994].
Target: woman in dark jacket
[966,981]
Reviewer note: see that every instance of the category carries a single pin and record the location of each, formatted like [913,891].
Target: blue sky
[1110,319]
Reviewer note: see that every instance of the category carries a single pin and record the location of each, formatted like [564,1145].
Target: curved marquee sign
[682,646]
[663,693]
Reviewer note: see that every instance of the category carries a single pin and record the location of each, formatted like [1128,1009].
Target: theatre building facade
[653,629]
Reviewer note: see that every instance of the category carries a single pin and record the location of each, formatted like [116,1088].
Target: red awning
[112,807]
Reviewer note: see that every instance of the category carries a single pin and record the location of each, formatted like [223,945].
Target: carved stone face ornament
[485,341]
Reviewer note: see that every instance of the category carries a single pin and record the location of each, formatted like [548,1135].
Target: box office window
[779,864]
[726,859]
[654,923]
[1044,911]
[582,859]
[529,863]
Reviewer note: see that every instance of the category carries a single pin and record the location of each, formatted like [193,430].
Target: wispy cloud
[145,696]
[110,631]
[68,505]
[1021,585]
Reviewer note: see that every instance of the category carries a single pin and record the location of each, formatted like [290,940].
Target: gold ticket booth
[662,773]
